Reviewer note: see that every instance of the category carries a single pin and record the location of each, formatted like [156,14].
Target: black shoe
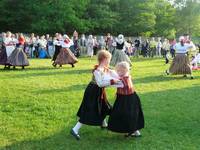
[54,65]
[104,127]
[185,76]
[77,136]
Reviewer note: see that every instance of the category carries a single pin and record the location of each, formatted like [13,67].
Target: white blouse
[182,49]
[103,79]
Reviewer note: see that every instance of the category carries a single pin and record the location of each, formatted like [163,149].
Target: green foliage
[130,17]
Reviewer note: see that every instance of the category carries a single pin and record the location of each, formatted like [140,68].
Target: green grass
[38,107]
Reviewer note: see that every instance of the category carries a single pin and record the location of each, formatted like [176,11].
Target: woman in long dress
[119,54]
[18,56]
[66,56]
[181,64]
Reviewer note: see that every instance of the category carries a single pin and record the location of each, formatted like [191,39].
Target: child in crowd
[95,107]
[127,115]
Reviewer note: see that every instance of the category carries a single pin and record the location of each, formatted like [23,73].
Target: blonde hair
[123,65]
[103,54]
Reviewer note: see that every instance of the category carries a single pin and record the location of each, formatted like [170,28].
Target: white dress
[90,45]
[10,44]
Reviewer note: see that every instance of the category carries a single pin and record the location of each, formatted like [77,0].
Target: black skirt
[3,56]
[57,51]
[127,115]
[93,109]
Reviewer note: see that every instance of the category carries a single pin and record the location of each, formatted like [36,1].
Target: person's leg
[75,130]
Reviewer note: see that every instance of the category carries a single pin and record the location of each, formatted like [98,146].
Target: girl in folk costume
[57,43]
[3,54]
[66,56]
[90,46]
[95,107]
[18,56]
[119,54]
[127,115]
[181,64]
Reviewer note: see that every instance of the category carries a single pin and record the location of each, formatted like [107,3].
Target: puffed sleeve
[100,79]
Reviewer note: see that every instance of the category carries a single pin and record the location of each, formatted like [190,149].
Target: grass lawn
[38,108]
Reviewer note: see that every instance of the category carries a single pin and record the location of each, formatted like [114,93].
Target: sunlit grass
[38,107]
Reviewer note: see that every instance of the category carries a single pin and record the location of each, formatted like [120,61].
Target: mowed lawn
[38,108]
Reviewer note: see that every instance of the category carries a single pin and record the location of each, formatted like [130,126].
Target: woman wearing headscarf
[119,54]
[66,56]
[181,64]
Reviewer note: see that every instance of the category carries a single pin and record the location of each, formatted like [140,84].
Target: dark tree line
[130,17]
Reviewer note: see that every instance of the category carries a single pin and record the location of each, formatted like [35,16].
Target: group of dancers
[12,51]
[126,115]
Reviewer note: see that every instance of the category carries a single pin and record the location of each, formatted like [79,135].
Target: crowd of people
[16,48]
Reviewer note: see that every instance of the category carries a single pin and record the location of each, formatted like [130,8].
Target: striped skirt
[180,65]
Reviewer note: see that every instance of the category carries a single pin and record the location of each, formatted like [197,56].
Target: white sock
[77,127]
[104,123]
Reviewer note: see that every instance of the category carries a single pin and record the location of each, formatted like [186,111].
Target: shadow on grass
[169,115]
[52,72]
[71,88]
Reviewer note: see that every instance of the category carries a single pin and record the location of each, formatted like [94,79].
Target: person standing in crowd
[90,46]
[172,50]
[18,57]
[65,55]
[137,46]
[32,41]
[102,43]
[181,64]
[159,47]
[96,45]
[48,41]
[109,42]
[152,47]
[83,42]
[50,46]
[145,48]
[119,54]
[57,43]
[166,50]
[129,47]
[42,47]
[76,49]
[3,54]
[36,45]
